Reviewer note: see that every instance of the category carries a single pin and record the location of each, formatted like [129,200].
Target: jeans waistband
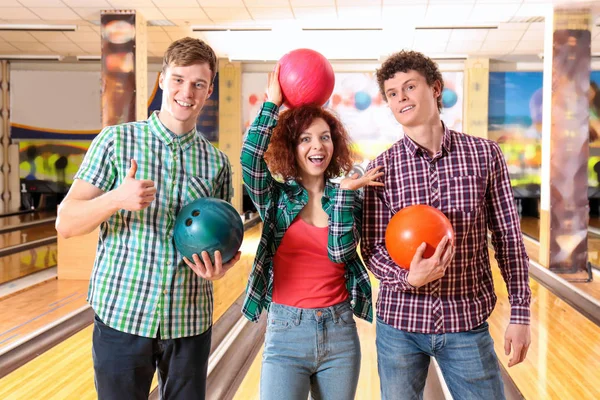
[298,314]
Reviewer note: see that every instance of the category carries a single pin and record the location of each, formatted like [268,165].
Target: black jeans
[124,364]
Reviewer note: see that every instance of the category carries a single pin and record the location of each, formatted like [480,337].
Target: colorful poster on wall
[515,122]
[51,161]
[49,153]
[357,101]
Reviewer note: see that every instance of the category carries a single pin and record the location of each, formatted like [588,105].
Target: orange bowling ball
[412,226]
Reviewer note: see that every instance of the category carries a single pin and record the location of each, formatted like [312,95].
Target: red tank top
[304,276]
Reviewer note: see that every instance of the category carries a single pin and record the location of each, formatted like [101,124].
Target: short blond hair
[190,51]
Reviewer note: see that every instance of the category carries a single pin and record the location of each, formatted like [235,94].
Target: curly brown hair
[281,154]
[188,51]
[405,61]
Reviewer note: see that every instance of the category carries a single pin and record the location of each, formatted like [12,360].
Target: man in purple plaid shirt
[439,307]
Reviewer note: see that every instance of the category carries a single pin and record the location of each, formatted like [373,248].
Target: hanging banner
[569,207]
[118,67]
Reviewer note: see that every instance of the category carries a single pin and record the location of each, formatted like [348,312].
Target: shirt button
[169,262]
[165,291]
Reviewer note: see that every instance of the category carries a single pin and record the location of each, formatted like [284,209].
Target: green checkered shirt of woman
[278,205]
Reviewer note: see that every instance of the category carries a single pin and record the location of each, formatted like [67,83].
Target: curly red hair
[281,154]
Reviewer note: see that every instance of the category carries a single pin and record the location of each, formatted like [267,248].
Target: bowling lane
[26,262]
[15,220]
[531,228]
[66,371]
[24,313]
[368,382]
[594,222]
[27,235]
[564,343]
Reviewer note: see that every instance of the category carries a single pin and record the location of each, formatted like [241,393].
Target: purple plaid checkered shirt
[468,181]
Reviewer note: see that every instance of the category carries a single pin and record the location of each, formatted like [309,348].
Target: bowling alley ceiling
[266,29]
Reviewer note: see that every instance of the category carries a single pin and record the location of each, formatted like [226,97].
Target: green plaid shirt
[278,205]
[139,282]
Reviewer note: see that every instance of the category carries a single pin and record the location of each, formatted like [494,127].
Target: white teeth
[316,158]
[181,103]
[407,108]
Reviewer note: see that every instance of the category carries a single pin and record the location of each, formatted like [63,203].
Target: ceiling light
[160,22]
[422,28]
[40,28]
[342,29]
[31,57]
[201,28]
[88,58]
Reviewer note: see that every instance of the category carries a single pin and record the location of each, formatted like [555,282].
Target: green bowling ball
[208,224]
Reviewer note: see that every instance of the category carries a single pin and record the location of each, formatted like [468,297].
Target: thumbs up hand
[134,194]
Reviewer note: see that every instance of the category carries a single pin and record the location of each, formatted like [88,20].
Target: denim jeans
[467,360]
[314,350]
[124,364]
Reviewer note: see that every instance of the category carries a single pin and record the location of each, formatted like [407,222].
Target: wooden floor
[66,371]
[564,344]
[24,263]
[27,235]
[531,227]
[24,313]
[15,220]
[368,383]
[27,262]
[595,222]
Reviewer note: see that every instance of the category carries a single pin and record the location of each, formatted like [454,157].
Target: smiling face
[185,90]
[314,149]
[412,101]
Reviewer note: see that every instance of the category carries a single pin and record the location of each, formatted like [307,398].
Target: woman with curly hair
[307,272]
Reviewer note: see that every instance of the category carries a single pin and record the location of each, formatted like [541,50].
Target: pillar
[564,213]
[230,123]
[124,99]
[476,89]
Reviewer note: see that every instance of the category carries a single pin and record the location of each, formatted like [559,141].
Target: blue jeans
[467,360]
[124,364]
[314,350]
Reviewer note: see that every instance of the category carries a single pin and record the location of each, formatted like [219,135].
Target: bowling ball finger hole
[188,222]
[195,213]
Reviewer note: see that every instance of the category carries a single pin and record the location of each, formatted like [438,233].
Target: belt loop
[298,315]
[334,314]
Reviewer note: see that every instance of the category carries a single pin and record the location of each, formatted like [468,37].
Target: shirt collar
[413,148]
[167,136]
[297,189]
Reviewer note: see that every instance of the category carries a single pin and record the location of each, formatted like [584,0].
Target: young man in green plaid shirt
[153,310]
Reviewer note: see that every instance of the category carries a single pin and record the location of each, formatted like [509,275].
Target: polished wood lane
[594,222]
[24,313]
[530,228]
[564,344]
[26,262]
[368,382]
[66,370]
[27,235]
[14,220]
